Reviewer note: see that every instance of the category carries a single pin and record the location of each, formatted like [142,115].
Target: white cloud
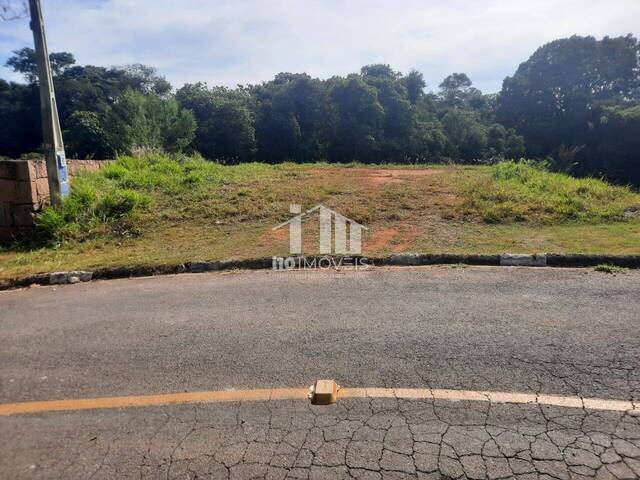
[229,42]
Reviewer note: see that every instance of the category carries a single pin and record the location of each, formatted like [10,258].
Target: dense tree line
[575,102]
[578,101]
[376,115]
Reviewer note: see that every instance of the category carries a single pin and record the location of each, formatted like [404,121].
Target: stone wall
[24,190]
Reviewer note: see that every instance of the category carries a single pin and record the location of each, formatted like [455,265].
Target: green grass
[158,209]
[113,201]
[521,191]
[606,268]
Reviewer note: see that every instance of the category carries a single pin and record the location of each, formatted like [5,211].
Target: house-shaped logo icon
[342,243]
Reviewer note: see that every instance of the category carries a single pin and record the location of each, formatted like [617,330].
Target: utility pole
[51,133]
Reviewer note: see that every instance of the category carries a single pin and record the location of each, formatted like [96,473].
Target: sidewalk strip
[268,394]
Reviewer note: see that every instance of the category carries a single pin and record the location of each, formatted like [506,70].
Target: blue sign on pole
[61,162]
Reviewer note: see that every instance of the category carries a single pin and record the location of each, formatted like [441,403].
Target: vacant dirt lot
[231,212]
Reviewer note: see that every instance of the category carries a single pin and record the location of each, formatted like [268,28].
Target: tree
[177,126]
[293,118]
[20,130]
[85,137]
[456,82]
[225,125]
[562,98]
[454,89]
[427,140]
[505,143]
[360,116]
[24,62]
[89,87]
[415,85]
[80,88]
[614,145]
[467,136]
[145,79]
[379,70]
[553,97]
[138,121]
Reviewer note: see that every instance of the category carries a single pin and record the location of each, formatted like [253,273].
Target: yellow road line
[152,400]
[301,393]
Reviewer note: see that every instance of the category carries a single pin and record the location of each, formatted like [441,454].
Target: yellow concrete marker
[324,392]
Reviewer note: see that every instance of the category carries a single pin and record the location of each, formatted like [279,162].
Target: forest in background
[574,105]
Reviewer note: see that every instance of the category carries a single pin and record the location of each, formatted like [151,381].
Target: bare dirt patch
[409,236]
[381,176]
[380,239]
[389,239]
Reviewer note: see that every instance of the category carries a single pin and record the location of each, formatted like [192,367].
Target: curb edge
[400,259]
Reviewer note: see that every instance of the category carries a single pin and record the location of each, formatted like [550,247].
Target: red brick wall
[24,189]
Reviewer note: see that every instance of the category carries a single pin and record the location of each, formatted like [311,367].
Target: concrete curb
[400,259]
[519,260]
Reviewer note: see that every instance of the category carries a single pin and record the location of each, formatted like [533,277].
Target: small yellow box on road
[324,392]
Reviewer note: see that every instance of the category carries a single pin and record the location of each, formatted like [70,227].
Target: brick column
[24,190]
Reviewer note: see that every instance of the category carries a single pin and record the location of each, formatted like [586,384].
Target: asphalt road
[545,331]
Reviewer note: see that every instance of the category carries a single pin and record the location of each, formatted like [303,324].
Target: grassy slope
[158,210]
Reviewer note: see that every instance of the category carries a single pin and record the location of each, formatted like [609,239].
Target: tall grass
[88,212]
[111,200]
[525,191]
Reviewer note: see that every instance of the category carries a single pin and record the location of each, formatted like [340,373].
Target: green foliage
[466,135]
[612,269]
[360,116]
[31,156]
[574,101]
[119,203]
[78,89]
[127,125]
[563,98]
[20,130]
[293,118]
[225,125]
[116,200]
[456,90]
[137,121]
[94,207]
[85,138]
[24,62]
[526,191]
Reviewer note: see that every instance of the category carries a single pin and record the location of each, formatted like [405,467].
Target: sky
[230,42]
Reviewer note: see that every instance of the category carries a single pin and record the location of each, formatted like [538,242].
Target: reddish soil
[408,237]
[380,239]
[396,218]
[395,172]
[380,176]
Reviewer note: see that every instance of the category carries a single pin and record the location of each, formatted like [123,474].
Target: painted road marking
[223,396]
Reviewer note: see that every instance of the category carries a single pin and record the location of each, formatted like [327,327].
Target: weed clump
[606,268]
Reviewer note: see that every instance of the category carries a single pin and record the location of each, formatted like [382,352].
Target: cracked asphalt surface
[563,332]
